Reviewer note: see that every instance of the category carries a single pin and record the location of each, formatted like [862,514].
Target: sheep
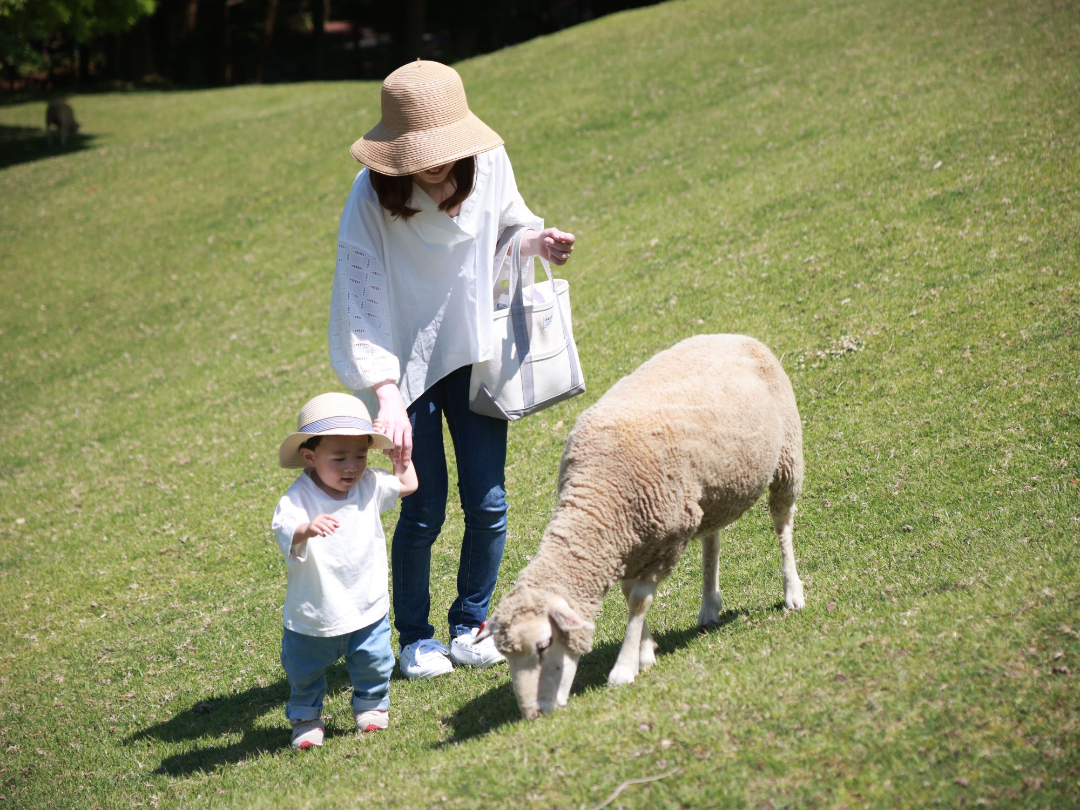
[60,115]
[678,449]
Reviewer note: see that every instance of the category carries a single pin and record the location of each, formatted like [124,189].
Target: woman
[411,312]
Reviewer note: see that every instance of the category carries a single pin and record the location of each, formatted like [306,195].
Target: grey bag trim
[486,405]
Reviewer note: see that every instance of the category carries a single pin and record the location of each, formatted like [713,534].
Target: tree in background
[38,36]
[219,42]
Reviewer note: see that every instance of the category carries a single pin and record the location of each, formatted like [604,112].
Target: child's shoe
[371,720]
[307,734]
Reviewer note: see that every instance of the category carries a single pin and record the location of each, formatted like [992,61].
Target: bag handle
[564,321]
[513,237]
[517,318]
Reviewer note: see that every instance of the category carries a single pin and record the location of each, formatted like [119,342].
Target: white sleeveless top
[412,298]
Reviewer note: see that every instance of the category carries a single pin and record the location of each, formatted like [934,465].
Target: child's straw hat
[425,123]
[330,415]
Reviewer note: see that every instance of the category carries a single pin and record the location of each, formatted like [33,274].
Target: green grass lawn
[886,193]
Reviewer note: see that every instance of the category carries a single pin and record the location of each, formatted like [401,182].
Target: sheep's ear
[486,629]
[566,617]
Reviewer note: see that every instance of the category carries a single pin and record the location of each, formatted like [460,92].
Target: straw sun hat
[330,415]
[426,122]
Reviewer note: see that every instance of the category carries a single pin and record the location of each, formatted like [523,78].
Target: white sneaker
[468,651]
[424,659]
[307,734]
[371,720]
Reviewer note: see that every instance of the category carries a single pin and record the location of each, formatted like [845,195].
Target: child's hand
[406,476]
[322,526]
[380,426]
[401,452]
[393,421]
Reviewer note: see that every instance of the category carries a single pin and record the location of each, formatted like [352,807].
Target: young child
[328,527]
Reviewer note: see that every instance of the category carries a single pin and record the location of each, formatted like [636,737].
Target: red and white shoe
[371,720]
[307,734]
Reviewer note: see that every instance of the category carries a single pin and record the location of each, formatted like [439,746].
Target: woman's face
[435,175]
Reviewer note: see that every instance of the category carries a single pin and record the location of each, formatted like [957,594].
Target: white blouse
[412,298]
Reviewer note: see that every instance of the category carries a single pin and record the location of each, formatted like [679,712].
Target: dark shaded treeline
[221,42]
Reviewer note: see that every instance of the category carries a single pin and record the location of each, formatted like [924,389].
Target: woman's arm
[550,244]
[361,350]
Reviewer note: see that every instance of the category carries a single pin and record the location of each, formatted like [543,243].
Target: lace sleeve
[361,349]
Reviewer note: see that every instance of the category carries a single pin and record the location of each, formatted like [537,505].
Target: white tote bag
[535,362]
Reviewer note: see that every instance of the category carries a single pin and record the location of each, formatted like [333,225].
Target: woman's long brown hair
[394,192]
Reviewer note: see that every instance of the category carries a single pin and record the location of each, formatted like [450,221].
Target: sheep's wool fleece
[682,446]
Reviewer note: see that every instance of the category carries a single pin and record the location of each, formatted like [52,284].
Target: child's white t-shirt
[336,584]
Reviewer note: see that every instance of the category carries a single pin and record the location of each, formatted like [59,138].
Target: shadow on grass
[27,144]
[227,715]
[13,98]
[217,716]
[497,706]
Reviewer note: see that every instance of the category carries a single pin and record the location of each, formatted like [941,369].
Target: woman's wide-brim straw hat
[330,415]
[426,122]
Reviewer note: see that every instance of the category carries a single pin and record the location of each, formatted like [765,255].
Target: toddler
[328,527]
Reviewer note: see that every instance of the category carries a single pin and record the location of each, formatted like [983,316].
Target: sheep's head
[542,638]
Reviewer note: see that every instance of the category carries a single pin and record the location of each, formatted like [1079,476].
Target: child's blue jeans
[368,658]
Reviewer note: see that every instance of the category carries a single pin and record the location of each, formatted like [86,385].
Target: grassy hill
[885,193]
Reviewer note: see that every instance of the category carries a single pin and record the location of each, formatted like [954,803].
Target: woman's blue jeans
[480,449]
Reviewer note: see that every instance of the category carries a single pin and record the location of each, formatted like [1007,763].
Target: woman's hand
[394,422]
[550,244]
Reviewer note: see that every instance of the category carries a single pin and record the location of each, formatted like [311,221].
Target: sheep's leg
[639,596]
[647,650]
[711,604]
[562,696]
[782,509]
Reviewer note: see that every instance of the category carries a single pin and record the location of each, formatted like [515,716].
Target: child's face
[339,461]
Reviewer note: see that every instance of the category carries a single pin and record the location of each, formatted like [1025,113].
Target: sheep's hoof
[647,655]
[707,621]
[621,677]
[795,600]
[709,615]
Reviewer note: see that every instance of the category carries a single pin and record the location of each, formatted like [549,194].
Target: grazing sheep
[678,449]
[60,115]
